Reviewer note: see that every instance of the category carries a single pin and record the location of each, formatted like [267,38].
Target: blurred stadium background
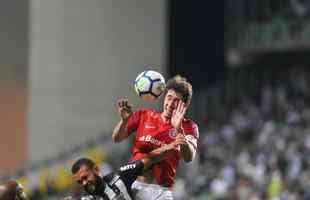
[65,63]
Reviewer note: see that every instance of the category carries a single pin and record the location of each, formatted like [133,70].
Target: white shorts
[144,191]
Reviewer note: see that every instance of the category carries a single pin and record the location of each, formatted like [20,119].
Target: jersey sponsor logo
[128,166]
[149,138]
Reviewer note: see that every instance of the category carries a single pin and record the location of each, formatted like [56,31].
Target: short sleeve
[133,121]
[130,171]
[190,128]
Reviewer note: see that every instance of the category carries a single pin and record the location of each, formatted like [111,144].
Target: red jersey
[151,133]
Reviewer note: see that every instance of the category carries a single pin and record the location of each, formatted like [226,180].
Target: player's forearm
[155,156]
[120,131]
[188,152]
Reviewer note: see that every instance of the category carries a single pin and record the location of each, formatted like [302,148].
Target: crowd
[259,150]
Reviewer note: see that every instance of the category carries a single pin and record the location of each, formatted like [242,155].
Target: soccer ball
[149,85]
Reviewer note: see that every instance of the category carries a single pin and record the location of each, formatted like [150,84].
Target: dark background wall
[195,41]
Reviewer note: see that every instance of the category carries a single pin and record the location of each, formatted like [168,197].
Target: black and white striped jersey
[117,185]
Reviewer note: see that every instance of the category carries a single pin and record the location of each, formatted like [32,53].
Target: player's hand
[180,140]
[175,145]
[178,115]
[124,108]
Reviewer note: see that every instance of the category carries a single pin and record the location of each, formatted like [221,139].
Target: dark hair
[80,162]
[180,85]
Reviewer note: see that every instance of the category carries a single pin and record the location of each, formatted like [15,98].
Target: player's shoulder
[188,123]
[190,127]
[109,177]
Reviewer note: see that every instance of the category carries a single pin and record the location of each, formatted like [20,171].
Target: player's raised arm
[187,149]
[120,131]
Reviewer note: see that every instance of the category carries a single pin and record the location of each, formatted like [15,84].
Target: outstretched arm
[120,131]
